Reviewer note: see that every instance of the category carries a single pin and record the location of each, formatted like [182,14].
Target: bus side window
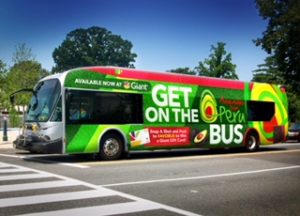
[95,107]
[260,110]
[118,108]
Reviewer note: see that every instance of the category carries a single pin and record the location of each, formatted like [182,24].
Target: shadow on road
[140,155]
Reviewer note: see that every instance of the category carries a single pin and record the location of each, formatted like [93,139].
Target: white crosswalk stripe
[54,197]
[13,170]
[24,176]
[38,185]
[113,209]
[24,204]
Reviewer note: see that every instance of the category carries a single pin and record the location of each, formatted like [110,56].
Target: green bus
[111,111]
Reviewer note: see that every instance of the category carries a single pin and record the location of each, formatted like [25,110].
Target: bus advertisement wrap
[178,114]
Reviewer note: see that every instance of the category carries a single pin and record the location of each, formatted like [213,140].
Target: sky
[166,34]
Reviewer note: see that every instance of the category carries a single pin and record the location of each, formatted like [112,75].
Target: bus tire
[252,142]
[111,146]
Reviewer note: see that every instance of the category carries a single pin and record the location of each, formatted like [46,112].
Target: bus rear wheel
[251,142]
[111,147]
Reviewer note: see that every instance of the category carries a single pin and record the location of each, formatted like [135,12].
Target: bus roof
[128,73]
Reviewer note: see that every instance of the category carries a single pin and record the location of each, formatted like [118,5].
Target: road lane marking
[76,165]
[133,205]
[200,177]
[282,145]
[12,156]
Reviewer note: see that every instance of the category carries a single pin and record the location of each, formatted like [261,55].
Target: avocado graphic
[201,137]
[126,85]
[208,107]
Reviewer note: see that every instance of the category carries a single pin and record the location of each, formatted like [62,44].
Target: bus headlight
[35,127]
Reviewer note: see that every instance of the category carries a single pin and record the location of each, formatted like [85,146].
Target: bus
[111,111]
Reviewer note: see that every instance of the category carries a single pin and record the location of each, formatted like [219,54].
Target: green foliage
[15,119]
[3,85]
[268,72]
[3,72]
[92,46]
[184,70]
[219,64]
[24,74]
[281,38]
[2,68]
[22,53]
[294,105]
[281,41]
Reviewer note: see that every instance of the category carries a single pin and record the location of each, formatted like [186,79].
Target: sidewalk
[12,134]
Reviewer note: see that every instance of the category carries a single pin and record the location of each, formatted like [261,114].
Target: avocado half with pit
[201,137]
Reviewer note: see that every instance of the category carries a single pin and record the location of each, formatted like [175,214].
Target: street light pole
[5,130]
[5,115]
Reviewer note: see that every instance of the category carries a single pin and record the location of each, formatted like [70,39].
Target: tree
[281,38]
[3,85]
[268,72]
[281,41]
[22,53]
[218,64]
[23,74]
[294,104]
[3,71]
[92,46]
[184,70]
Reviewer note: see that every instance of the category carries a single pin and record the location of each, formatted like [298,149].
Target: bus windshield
[43,101]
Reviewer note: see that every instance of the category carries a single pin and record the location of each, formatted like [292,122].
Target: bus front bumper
[36,144]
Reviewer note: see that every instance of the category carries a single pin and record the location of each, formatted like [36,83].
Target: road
[201,182]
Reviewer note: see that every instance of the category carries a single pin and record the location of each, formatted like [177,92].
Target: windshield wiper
[38,87]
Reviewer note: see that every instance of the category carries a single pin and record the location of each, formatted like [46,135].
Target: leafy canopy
[30,71]
[3,84]
[183,70]
[25,73]
[219,64]
[22,53]
[281,41]
[281,37]
[268,72]
[93,46]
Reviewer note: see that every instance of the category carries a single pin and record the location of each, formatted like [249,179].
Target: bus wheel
[111,147]
[251,142]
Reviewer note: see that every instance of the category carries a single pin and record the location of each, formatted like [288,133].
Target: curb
[6,145]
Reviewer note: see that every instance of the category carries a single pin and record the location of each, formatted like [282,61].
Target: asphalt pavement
[201,182]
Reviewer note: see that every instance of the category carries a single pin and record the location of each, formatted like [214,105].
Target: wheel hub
[111,147]
[251,142]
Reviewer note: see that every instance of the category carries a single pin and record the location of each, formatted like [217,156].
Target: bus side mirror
[12,95]
[12,99]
